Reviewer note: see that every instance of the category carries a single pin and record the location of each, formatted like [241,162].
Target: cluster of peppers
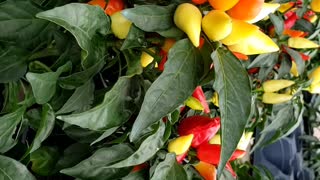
[238,35]
[200,133]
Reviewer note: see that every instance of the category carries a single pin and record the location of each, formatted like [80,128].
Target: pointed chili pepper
[290,21]
[210,153]
[203,128]
[275,98]
[114,6]
[240,56]
[229,168]
[181,157]
[294,33]
[139,167]
[276,85]
[199,94]
[194,103]
[164,58]
[286,6]
[315,83]
[181,144]
[242,145]
[206,170]
[301,43]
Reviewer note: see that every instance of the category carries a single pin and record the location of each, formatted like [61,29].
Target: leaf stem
[43,66]
[44,53]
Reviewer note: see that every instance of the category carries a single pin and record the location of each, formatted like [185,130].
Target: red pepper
[210,153]
[181,157]
[114,6]
[291,20]
[140,167]
[201,43]
[240,56]
[229,168]
[199,94]
[164,56]
[203,128]
[199,1]
[253,70]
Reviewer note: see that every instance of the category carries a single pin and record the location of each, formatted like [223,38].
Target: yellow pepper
[181,144]
[120,25]
[276,85]
[217,25]
[315,84]
[146,58]
[301,43]
[242,145]
[206,170]
[315,5]
[275,98]
[286,6]
[294,69]
[267,8]
[215,99]
[188,18]
[194,103]
[256,43]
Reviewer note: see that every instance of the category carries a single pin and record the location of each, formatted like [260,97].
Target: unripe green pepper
[276,85]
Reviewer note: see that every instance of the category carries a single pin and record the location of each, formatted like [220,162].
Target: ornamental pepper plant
[151,89]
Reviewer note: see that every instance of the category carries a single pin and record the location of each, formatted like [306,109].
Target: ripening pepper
[120,25]
[242,145]
[294,69]
[215,99]
[203,128]
[241,30]
[217,25]
[194,103]
[187,17]
[146,58]
[199,1]
[315,83]
[267,8]
[256,43]
[275,98]
[276,85]
[206,170]
[181,144]
[286,6]
[301,43]
[199,94]
[210,153]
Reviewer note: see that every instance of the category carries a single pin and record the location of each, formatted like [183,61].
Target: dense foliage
[152,89]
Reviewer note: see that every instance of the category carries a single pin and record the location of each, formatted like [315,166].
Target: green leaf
[20,27]
[147,149]
[106,134]
[79,78]
[278,23]
[264,60]
[44,160]
[44,85]
[180,77]
[192,173]
[169,169]
[86,23]
[13,64]
[95,167]
[81,98]
[297,59]
[11,97]
[134,63]
[134,39]
[72,155]
[45,128]
[282,124]
[117,107]
[140,175]
[172,32]
[234,89]
[11,169]
[151,18]
[8,125]
[79,134]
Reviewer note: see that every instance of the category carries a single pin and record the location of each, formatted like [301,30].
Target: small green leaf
[20,27]
[11,97]
[147,149]
[81,98]
[134,63]
[297,59]
[44,85]
[140,175]
[117,107]
[134,39]
[72,155]
[106,134]
[44,160]
[8,125]
[180,77]
[172,32]
[11,169]
[169,169]
[13,64]
[278,23]
[86,23]
[151,18]
[45,128]
[234,89]
[95,167]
